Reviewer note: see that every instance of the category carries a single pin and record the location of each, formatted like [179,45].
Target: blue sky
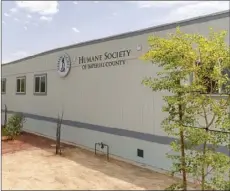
[31,27]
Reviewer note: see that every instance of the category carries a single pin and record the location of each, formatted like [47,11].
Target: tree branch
[205,115]
[211,122]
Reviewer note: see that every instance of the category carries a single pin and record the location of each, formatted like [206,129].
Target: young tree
[194,69]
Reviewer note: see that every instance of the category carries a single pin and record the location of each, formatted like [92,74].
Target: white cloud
[13,10]
[35,24]
[6,14]
[20,54]
[75,29]
[114,14]
[197,9]
[16,19]
[40,7]
[180,10]
[4,61]
[3,22]
[26,28]
[165,4]
[15,56]
[75,2]
[29,16]
[188,8]
[44,18]
[110,33]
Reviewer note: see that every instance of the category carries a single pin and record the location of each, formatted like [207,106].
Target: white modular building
[97,84]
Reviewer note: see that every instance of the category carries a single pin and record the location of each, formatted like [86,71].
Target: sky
[31,27]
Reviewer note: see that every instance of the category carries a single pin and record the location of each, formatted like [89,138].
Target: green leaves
[176,186]
[14,125]
[199,120]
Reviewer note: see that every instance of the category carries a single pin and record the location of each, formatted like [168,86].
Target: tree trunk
[183,162]
[203,168]
[57,139]
[5,122]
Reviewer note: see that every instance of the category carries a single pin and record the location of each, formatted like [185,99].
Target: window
[40,84]
[3,85]
[224,88]
[212,87]
[21,85]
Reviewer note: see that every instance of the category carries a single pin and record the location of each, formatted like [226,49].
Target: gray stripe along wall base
[114,131]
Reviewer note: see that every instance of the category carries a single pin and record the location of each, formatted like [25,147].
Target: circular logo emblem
[64,65]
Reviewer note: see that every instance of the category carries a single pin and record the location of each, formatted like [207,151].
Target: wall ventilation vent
[140,153]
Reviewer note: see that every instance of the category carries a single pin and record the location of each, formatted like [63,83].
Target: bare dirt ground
[30,163]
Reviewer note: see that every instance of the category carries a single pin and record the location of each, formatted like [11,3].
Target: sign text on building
[104,60]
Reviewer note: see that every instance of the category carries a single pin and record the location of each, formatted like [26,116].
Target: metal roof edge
[199,19]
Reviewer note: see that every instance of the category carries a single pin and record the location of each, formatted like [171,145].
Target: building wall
[102,104]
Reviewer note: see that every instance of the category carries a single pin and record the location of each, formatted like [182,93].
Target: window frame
[221,90]
[40,76]
[3,80]
[20,78]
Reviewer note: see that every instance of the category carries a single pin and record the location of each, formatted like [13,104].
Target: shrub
[4,132]
[14,125]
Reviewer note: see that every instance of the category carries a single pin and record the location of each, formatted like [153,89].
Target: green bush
[4,132]
[227,186]
[14,126]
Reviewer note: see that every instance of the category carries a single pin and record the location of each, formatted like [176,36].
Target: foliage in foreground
[4,131]
[14,126]
[193,69]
